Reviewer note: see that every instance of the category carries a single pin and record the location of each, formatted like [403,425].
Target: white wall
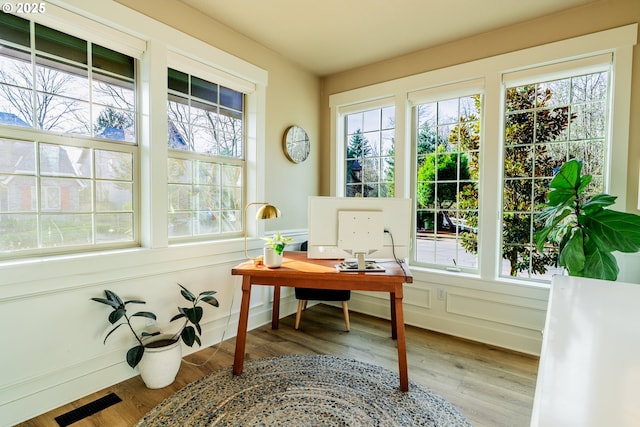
[53,351]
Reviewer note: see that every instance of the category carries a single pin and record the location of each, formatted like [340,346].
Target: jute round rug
[304,390]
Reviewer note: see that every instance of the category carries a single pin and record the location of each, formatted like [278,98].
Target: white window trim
[118,27]
[617,41]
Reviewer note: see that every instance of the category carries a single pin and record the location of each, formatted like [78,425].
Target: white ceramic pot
[160,362]
[271,258]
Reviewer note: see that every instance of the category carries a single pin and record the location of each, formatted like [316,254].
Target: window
[447,138]
[59,194]
[475,145]
[546,124]
[206,157]
[370,153]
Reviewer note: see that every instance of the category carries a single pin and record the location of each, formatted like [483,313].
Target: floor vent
[87,410]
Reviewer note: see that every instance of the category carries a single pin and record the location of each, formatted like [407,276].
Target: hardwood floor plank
[491,386]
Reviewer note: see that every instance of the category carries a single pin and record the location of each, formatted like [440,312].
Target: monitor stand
[359,265]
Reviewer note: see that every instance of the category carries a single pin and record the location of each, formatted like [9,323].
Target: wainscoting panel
[506,313]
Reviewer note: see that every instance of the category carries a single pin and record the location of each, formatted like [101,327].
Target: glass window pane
[112,61]
[114,165]
[58,78]
[180,197]
[16,106]
[17,157]
[180,224]
[448,111]
[204,90]
[231,98]
[114,227]
[112,123]
[231,176]
[18,232]
[15,67]
[66,230]
[371,120]
[58,160]
[65,195]
[114,196]
[113,92]
[61,44]
[178,81]
[15,29]
[17,194]
[180,170]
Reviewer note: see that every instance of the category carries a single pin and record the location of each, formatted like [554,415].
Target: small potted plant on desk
[157,355]
[274,249]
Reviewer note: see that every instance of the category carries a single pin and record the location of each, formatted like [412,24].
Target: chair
[304,295]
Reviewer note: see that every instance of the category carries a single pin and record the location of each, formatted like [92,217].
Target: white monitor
[381,227]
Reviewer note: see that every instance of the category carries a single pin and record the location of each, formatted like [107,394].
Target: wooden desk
[299,271]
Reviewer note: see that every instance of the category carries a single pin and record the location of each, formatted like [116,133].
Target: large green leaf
[553,219]
[598,202]
[116,314]
[565,184]
[619,231]
[186,293]
[146,314]
[599,264]
[134,355]
[194,314]
[188,335]
[572,256]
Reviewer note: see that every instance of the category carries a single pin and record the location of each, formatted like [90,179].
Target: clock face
[296,144]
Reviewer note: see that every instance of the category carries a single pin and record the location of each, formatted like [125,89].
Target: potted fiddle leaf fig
[274,248]
[157,355]
[586,232]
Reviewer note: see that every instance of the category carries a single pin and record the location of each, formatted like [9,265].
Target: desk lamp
[266,211]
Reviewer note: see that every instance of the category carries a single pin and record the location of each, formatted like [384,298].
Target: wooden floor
[492,387]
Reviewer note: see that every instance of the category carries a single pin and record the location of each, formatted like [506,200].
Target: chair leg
[301,303]
[345,311]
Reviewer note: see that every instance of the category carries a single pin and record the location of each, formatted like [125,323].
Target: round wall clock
[296,145]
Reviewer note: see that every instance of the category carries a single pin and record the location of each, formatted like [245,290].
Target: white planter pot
[159,365]
[271,258]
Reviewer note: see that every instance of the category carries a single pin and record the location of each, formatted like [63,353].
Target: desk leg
[275,310]
[241,338]
[394,331]
[401,342]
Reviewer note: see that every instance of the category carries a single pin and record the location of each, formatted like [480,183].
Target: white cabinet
[589,372]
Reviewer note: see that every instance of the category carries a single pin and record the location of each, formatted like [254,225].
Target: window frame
[539,75]
[381,129]
[93,143]
[196,158]
[448,92]
[489,71]
[157,46]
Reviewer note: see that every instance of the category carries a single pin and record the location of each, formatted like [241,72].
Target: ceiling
[329,36]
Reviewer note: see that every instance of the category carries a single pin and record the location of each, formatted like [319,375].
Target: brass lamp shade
[266,211]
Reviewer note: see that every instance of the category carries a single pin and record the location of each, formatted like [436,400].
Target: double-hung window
[370,152]
[68,150]
[206,165]
[546,123]
[447,150]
